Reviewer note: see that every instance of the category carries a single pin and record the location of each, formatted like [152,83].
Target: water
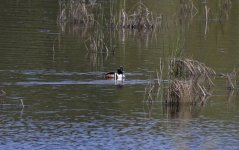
[69,105]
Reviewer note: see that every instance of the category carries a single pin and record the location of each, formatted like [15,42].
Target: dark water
[69,105]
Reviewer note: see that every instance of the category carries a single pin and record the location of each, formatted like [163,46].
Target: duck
[118,75]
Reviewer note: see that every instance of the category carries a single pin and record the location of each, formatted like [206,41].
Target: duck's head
[120,70]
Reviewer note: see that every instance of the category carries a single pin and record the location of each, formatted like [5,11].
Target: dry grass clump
[76,12]
[140,18]
[187,91]
[184,68]
[180,91]
[189,81]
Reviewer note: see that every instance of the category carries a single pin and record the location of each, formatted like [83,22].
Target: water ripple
[72,82]
[52,77]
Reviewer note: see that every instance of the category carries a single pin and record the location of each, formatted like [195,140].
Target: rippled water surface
[57,97]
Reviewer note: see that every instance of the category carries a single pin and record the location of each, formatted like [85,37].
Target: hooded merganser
[118,75]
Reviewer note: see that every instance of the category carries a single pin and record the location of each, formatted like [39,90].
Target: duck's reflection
[119,83]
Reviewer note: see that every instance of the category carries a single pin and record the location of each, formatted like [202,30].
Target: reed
[155,86]
[188,9]
[76,11]
[188,81]
[140,17]
[187,91]
[232,80]
[22,103]
[225,6]
[95,48]
[180,91]
[99,47]
[185,68]
[149,92]
[178,46]
[2,93]
[207,10]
